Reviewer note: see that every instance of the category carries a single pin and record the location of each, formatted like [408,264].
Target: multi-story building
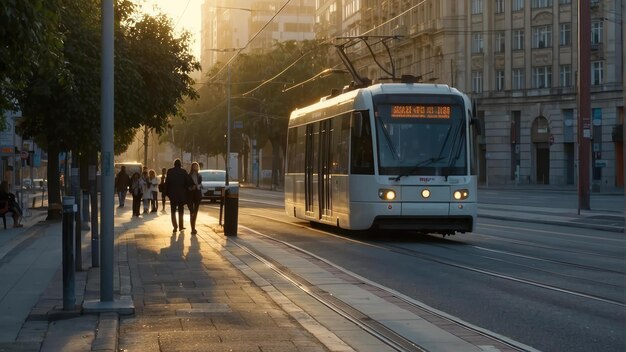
[518,59]
[521,60]
[225,27]
[294,22]
[231,24]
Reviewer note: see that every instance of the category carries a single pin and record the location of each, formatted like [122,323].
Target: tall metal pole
[106,125]
[584,103]
[228,130]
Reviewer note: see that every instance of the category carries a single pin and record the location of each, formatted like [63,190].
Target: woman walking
[195,195]
[153,182]
[162,187]
[136,189]
[146,191]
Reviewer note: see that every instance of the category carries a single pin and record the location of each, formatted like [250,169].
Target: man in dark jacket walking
[177,183]
[122,182]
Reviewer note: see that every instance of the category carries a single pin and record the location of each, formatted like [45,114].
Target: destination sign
[421,111]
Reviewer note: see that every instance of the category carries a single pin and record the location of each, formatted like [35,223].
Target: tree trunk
[54,184]
[146,134]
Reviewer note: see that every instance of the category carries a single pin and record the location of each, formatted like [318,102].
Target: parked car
[27,184]
[40,184]
[213,183]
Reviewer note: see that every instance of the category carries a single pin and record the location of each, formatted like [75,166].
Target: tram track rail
[392,339]
[374,328]
[448,262]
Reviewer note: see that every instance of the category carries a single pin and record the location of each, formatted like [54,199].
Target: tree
[264,111]
[30,42]
[151,81]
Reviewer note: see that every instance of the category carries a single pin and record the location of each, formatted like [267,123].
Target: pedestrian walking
[195,195]
[146,191]
[122,182]
[162,187]
[153,182]
[177,183]
[136,188]
[12,205]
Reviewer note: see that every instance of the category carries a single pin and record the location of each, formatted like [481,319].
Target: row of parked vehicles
[36,184]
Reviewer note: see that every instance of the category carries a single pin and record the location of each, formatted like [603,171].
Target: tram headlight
[425,193]
[387,194]
[460,194]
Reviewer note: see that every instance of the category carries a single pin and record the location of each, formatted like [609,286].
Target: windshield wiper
[388,138]
[422,163]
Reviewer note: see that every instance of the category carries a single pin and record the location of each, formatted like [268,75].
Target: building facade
[231,24]
[518,60]
[521,60]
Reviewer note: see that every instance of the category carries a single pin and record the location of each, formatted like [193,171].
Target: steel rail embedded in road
[387,336]
[375,330]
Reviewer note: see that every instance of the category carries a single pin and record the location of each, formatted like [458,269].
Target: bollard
[69,296]
[231,210]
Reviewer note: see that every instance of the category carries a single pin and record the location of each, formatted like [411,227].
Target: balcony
[596,47]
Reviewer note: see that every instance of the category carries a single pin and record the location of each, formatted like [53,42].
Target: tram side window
[340,144]
[362,157]
[295,158]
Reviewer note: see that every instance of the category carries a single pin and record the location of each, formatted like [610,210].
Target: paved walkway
[189,292]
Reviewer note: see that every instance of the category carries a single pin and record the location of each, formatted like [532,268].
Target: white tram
[389,156]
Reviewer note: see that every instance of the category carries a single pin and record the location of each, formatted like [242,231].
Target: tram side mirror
[475,122]
[358,124]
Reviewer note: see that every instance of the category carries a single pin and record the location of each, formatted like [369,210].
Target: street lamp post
[228,128]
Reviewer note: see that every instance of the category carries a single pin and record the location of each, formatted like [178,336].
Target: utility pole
[106,125]
[228,130]
[584,103]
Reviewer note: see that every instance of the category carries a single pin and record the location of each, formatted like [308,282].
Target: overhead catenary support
[584,104]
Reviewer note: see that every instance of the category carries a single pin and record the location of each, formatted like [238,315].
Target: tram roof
[381,88]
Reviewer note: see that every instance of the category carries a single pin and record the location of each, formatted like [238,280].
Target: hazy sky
[184,13]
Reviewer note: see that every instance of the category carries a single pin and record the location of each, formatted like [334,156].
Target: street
[514,285]
[533,283]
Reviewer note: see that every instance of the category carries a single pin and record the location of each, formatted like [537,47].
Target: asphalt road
[552,288]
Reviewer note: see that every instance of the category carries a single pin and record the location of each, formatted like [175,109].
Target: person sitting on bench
[6,196]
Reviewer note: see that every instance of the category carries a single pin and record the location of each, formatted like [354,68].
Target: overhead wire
[239,50]
[326,42]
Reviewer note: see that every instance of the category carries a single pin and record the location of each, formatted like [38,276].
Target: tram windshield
[420,135]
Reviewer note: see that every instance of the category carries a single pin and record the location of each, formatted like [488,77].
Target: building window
[477,81]
[565,2]
[518,5]
[499,47]
[518,39]
[499,6]
[565,75]
[542,36]
[477,43]
[565,34]
[499,80]
[541,3]
[596,32]
[542,77]
[518,78]
[597,73]
[477,7]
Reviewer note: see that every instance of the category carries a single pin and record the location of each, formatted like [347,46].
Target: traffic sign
[24,155]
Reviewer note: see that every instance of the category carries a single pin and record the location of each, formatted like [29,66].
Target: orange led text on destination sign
[421,111]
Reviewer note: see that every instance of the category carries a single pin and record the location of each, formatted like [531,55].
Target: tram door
[310,169]
[324,181]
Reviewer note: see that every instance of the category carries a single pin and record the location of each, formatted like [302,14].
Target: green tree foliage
[265,111]
[152,68]
[30,42]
